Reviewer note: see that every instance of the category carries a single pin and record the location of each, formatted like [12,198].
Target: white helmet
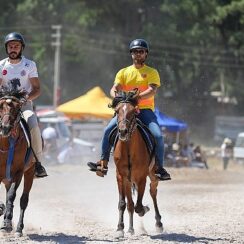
[227,140]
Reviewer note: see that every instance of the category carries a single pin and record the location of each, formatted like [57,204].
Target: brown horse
[133,162]
[16,160]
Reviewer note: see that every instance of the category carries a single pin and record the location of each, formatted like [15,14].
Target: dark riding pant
[148,117]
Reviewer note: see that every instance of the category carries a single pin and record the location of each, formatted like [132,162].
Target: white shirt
[19,73]
[49,133]
[225,151]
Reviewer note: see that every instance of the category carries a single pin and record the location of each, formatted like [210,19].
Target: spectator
[185,155]
[49,135]
[226,152]
[200,156]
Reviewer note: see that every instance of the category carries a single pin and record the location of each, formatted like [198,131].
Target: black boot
[40,170]
[100,167]
[162,174]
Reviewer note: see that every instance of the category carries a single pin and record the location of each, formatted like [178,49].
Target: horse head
[11,101]
[125,106]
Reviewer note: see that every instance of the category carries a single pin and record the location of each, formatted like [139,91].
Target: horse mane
[122,96]
[8,91]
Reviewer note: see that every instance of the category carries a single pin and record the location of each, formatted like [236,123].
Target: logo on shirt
[23,73]
[4,72]
[14,83]
[144,76]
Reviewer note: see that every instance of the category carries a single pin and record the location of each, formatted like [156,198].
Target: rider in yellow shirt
[147,80]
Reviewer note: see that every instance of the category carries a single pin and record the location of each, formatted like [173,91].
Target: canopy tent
[171,124]
[92,104]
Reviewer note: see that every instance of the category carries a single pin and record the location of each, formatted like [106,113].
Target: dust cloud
[73,205]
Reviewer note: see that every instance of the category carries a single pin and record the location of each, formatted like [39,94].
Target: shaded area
[184,238]
[59,238]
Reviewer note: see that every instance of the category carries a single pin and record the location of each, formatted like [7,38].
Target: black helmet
[14,36]
[139,43]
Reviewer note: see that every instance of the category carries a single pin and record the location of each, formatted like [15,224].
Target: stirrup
[162,174]
[93,166]
[40,171]
[96,167]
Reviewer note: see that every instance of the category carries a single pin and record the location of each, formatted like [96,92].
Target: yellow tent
[93,104]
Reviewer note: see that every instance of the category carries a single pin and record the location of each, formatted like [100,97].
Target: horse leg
[2,207]
[28,180]
[121,207]
[139,208]
[10,197]
[130,207]
[153,193]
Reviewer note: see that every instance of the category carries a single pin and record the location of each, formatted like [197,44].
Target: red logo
[4,72]
[144,76]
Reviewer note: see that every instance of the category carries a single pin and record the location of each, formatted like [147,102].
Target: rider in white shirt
[20,72]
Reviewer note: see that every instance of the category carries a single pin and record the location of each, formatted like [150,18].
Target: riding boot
[162,174]
[40,171]
[101,167]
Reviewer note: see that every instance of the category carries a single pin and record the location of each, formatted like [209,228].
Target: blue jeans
[148,117]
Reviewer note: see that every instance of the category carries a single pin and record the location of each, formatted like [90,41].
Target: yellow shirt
[131,77]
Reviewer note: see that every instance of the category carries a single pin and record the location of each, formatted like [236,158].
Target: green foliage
[191,43]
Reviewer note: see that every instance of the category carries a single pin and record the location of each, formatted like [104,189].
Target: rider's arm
[149,92]
[116,88]
[36,89]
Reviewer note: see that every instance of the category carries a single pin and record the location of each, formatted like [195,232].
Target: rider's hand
[24,99]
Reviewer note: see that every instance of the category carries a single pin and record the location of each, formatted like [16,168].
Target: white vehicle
[68,146]
[239,148]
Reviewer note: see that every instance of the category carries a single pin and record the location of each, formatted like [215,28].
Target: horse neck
[16,133]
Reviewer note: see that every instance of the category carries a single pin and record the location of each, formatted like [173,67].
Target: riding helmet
[14,36]
[139,43]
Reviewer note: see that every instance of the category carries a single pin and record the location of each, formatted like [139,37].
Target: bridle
[14,118]
[129,124]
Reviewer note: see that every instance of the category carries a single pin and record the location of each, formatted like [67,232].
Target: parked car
[69,146]
[238,153]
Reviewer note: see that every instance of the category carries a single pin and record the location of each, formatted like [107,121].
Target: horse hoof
[146,209]
[6,227]
[18,234]
[119,234]
[2,208]
[131,231]
[5,231]
[159,229]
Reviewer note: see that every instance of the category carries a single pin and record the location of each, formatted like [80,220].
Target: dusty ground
[73,205]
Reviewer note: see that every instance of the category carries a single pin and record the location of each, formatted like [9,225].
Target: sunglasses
[138,51]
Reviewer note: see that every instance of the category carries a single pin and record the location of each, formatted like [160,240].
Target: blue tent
[171,124]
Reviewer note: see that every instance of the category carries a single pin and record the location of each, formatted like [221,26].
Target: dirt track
[73,205]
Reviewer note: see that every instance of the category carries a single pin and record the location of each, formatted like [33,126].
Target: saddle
[12,143]
[27,134]
[145,133]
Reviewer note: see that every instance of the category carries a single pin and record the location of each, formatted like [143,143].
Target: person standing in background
[226,152]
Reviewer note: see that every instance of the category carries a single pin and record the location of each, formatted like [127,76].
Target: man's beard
[139,61]
[14,55]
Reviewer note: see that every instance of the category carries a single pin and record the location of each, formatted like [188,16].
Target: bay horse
[133,161]
[16,160]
